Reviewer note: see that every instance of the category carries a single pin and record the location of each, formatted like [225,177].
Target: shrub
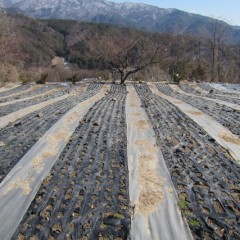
[73,78]
[25,78]
[8,73]
[105,76]
[177,78]
[42,79]
[198,73]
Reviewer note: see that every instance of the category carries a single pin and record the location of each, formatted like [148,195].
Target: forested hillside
[27,46]
[135,15]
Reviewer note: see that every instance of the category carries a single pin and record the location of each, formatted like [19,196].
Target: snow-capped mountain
[137,15]
[83,9]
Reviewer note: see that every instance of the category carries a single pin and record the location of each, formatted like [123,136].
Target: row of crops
[85,194]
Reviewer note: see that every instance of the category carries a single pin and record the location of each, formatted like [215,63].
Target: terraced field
[109,161]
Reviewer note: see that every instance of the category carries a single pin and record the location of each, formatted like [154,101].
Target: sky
[227,10]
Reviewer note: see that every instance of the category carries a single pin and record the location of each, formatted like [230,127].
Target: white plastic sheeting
[27,98]
[231,105]
[12,117]
[8,87]
[20,186]
[32,88]
[223,88]
[218,132]
[204,92]
[153,198]
[196,87]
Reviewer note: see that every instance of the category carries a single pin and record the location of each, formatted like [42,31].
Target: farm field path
[20,186]
[156,214]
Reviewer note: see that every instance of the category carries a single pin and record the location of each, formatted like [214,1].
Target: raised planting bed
[17,90]
[110,161]
[231,99]
[85,196]
[21,135]
[228,117]
[205,176]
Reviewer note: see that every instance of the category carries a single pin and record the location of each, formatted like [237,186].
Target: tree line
[125,52]
[29,45]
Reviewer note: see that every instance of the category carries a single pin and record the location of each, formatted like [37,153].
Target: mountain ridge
[137,15]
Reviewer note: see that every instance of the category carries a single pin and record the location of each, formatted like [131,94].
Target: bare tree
[130,52]
[181,63]
[216,39]
[8,37]
[8,49]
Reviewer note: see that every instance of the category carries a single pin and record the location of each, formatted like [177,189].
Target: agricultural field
[107,161]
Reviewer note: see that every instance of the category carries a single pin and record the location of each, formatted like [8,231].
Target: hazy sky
[227,10]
